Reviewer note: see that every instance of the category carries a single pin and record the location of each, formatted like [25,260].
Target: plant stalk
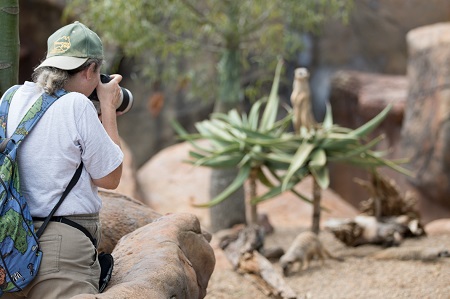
[317,196]
[251,210]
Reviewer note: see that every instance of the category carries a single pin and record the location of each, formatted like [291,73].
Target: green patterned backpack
[20,253]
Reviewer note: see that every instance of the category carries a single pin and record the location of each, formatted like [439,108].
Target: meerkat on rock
[305,247]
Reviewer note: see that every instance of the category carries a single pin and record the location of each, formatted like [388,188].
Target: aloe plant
[265,150]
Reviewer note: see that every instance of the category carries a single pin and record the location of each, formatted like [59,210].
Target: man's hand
[109,94]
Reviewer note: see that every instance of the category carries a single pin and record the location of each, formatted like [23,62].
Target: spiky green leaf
[298,161]
[275,191]
[369,126]
[318,159]
[271,110]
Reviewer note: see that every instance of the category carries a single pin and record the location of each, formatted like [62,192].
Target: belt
[71,223]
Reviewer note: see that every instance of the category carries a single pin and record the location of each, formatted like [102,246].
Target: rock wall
[426,130]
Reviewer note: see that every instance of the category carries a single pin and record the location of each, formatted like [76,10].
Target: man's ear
[90,72]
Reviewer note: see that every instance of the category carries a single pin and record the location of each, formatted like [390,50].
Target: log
[243,254]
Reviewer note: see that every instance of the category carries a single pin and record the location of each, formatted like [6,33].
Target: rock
[121,215]
[168,258]
[425,130]
[161,177]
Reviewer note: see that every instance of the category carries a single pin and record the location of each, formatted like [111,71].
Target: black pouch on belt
[107,264]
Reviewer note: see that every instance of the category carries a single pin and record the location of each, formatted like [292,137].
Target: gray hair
[51,79]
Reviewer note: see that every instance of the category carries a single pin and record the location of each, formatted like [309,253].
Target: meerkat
[301,100]
[303,249]
[363,229]
[411,253]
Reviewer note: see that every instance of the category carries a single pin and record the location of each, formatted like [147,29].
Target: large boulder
[121,215]
[168,258]
[155,256]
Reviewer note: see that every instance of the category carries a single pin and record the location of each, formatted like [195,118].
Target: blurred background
[172,56]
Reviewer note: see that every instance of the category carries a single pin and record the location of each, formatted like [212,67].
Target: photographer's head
[73,51]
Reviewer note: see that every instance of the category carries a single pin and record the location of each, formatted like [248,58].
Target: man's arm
[109,95]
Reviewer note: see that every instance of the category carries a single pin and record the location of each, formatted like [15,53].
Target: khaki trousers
[69,265]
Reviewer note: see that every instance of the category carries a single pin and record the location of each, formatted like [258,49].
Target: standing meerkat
[411,253]
[303,249]
[301,100]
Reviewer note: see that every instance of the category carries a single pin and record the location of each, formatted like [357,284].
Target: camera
[126,97]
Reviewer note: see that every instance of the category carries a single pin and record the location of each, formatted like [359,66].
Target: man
[69,133]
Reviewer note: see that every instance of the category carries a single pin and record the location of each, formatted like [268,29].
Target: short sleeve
[100,154]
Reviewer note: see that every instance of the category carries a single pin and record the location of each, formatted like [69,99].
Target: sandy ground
[359,276]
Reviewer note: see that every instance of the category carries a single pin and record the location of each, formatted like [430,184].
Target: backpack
[19,247]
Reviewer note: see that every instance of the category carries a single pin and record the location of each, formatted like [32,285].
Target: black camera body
[126,97]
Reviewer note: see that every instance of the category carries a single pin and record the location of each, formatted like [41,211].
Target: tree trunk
[317,194]
[229,82]
[232,210]
[9,44]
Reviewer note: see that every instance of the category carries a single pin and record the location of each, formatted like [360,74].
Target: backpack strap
[4,108]
[34,114]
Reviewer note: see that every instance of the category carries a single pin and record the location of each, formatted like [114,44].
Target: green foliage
[167,30]
[281,159]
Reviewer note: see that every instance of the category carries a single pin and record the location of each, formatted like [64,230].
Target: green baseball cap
[71,46]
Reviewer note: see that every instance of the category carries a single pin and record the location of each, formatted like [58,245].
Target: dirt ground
[358,276]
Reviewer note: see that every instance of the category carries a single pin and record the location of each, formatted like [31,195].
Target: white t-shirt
[68,132]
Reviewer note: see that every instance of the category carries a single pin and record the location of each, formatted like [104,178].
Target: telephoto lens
[126,97]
